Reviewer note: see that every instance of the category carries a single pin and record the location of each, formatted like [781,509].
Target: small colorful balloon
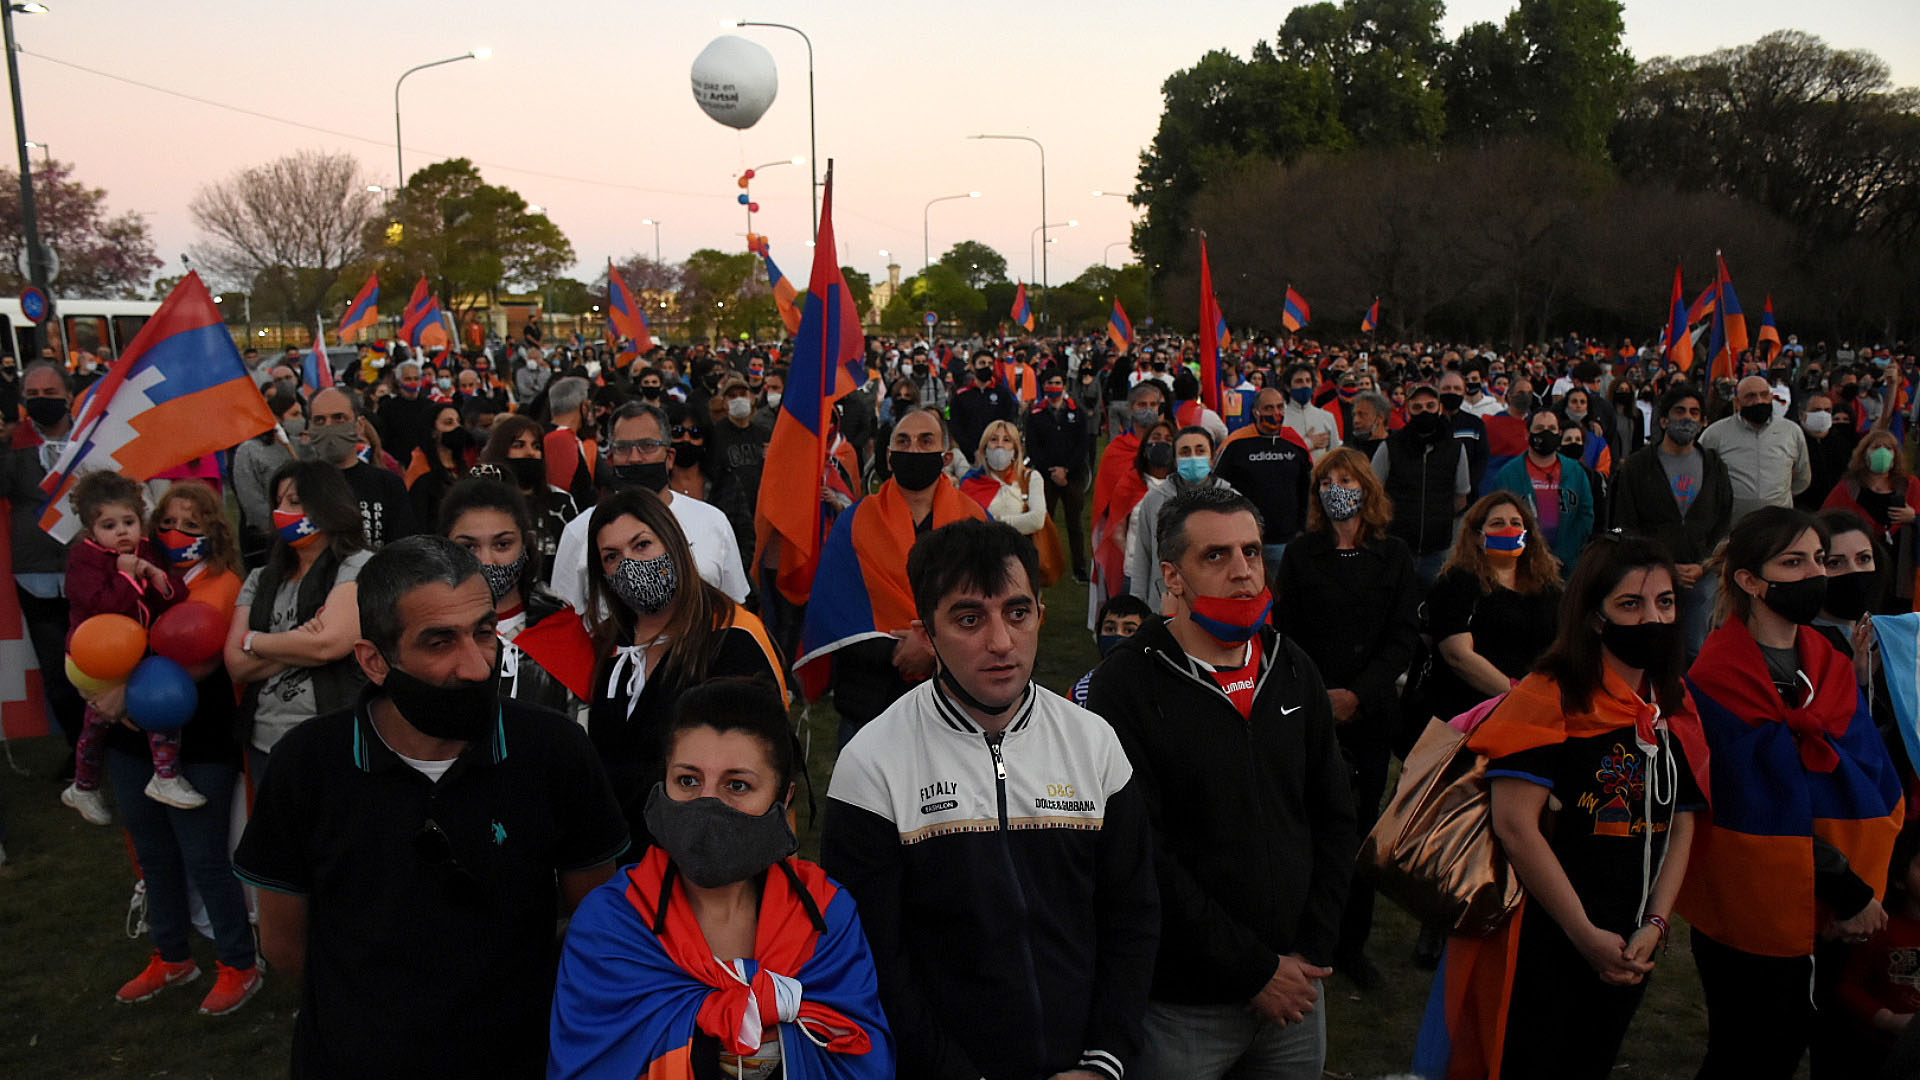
[743,199]
[753,208]
[189,633]
[84,682]
[161,695]
[108,647]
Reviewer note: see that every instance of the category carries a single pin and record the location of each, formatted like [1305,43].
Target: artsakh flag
[1022,310]
[1371,320]
[829,362]
[1211,322]
[1295,313]
[1676,345]
[1120,328]
[624,311]
[23,692]
[1768,331]
[364,312]
[422,326]
[316,372]
[178,392]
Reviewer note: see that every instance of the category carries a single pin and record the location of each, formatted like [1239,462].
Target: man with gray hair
[414,852]
[571,449]
[403,415]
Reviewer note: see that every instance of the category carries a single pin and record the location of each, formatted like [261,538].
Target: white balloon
[734,81]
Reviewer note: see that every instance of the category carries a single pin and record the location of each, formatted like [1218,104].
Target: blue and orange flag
[1676,345]
[784,294]
[1120,328]
[422,325]
[626,313]
[1022,310]
[1211,323]
[1768,331]
[829,362]
[364,312]
[1295,313]
[179,391]
[1728,338]
[315,371]
[1371,320]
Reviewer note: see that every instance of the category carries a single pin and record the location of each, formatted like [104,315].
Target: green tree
[713,282]
[1382,57]
[979,264]
[945,290]
[1481,81]
[860,285]
[566,296]
[471,238]
[1578,73]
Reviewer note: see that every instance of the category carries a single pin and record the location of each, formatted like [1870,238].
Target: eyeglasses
[637,446]
[687,431]
[435,850]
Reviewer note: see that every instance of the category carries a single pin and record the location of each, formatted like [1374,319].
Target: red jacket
[95,585]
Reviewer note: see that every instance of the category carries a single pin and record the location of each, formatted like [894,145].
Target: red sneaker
[232,989]
[157,977]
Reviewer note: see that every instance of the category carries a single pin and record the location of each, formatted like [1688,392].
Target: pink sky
[597,92]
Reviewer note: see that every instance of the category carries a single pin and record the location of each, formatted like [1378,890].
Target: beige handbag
[1433,850]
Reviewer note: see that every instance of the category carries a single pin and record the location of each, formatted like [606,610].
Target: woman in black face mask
[689,473]
[445,452]
[1600,726]
[658,629]
[658,956]
[1806,806]
[516,447]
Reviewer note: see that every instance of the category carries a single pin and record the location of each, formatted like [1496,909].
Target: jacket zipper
[1021,907]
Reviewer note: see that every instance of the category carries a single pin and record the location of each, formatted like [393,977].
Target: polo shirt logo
[499,834]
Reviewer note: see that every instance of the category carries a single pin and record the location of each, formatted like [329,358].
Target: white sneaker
[175,792]
[89,803]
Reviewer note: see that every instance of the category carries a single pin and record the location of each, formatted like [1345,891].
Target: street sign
[932,318]
[33,304]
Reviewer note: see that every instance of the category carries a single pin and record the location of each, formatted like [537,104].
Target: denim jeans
[177,846]
[1207,1042]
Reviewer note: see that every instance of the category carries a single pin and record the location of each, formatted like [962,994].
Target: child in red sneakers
[115,569]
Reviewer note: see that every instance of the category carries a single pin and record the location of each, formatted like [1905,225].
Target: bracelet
[246,643]
[1660,924]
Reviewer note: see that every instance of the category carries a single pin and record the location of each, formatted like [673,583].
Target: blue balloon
[743,198]
[161,695]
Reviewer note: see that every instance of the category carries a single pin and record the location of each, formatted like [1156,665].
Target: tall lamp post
[1070,223]
[656,236]
[813,127]
[749,174]
[926,232]
[1045,291]
[1110,247]
[399,166]
[29,214]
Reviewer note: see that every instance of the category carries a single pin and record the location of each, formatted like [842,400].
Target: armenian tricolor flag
[1212,336]
[364,312]
[1768,331]
[1371,320]
[1022,310]
[423,325]
[1728,337]
[1676,345]
[784,294]
[1120,328]
[1295,313]
[625,312]
[829,362]
[179,391]
[316,371]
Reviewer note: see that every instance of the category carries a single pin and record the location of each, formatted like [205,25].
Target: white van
[87,326]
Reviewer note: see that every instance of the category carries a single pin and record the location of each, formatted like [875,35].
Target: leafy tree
[946,290]
[974,261]
[860,285]
[1481,80]
[566,295]
[286,229]
[471,238]
[1578,73]
[100,256]
[712,282]
[1381,55]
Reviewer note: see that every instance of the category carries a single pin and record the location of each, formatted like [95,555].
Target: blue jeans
[177,846]
[1207,1042]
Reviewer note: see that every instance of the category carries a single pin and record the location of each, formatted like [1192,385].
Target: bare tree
[286,229]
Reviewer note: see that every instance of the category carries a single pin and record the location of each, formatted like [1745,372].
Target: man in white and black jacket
[996,841]
[1232,738]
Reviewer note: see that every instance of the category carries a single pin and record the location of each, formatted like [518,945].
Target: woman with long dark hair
[445,450]
[1494,608]
[516,447]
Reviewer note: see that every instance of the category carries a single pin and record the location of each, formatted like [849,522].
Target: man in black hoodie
[1232,741]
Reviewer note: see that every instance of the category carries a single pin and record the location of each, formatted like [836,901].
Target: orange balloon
[743,182]
[108,647]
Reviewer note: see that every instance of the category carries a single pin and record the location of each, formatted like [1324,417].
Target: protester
[1805,805]
[717,919]
[738,453]
[1767,462]
[1677,493]
[1117,489]
[254,462]
[658,629]
[1831,438]
[688,432]
[1555,487]
[986,399]
[1494,608]
[333,437]
[40,561]
[426,950]
[441,459]
[1348,562]
[1119,619]
[1466,428]
[1253,874]
[514,447]
[290,644]
[571,449]
[1425,473]
[1060,430]
[1879,487]
[1878,990]
[1273,468]
[995,839]
[1001,482]
[1307,420]
[1193,449]
[178,849]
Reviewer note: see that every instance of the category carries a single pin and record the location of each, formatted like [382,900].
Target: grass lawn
[63,950]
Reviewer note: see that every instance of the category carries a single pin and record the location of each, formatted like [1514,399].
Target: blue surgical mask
[1109,642]
[1301,394]
[1194,470]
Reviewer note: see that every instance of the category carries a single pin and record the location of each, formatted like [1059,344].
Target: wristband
[246,643]
[1660,924]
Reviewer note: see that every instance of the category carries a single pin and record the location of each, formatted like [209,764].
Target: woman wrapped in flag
[1792,863]
[1588,749]
[719,954]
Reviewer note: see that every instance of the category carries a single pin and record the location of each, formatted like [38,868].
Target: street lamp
[1110,247]
[45,150]
[1043,206]
[400,169]
[1070,223]
[813,128]
[1098,194]
[749,174]
[37,269]
[926,246]
[656,236]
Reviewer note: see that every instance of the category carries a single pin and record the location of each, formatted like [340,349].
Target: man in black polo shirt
[415,852]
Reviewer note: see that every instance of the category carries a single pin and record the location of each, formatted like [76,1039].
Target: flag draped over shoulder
[829,362]
[179,391]
[1211,323]
[625,312]
[423,326]
[1022,310]
[364,312]
[638,982]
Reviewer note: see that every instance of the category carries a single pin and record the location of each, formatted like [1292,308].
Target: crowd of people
[508,651]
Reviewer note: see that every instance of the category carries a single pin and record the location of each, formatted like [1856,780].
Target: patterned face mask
[1341,503]
[502,578]
[647,586]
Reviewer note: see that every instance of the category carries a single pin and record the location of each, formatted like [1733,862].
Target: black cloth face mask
[916,470]
[712,843]
[460,710]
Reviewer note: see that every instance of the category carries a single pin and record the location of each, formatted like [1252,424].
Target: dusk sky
[585,106]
